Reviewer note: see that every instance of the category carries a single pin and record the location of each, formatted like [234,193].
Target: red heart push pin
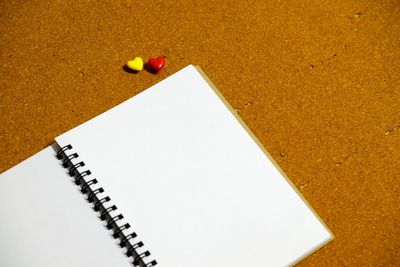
[157,63]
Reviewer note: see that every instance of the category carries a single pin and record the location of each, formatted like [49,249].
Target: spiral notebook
[169,178]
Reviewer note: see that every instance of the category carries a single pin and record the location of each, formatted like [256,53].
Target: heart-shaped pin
[136,64]
[156,63]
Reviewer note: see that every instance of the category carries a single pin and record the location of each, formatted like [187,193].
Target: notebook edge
[259,144]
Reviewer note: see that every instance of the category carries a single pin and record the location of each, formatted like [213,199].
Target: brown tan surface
[318,84]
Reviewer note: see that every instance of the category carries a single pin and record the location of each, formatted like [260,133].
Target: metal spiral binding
[100,205]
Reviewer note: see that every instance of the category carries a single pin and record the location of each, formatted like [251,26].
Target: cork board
[317,83]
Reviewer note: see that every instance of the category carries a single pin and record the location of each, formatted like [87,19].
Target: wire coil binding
[107,211]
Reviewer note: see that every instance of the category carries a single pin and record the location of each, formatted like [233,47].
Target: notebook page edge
[259,144]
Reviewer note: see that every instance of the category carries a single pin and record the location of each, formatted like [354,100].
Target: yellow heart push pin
[136,64]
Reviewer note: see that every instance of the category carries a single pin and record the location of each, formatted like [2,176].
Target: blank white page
[195,186]
[46,222]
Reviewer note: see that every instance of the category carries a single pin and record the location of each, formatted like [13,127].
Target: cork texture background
[318,82]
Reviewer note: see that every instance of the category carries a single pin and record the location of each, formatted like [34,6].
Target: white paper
[46,222]
[194,185]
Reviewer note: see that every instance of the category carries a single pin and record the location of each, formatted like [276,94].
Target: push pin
[156,63]
[136,64]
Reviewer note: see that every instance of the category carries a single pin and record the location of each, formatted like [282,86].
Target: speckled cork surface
[317,83]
